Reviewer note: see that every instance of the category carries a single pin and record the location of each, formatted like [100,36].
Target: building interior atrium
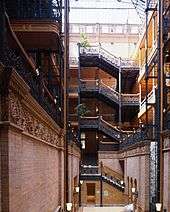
[84,105]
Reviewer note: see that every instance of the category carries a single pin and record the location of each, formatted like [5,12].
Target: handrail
[32,65]
[101,82]
[99,86]
[58,209]
[149,96]
[112,171]
[99,50]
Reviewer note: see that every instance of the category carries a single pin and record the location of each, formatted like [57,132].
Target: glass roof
[107,11]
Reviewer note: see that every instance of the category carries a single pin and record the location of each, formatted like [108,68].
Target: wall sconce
[83,144]
[77,189]
[37,71]
[81,182]
[97,109]
[121,182]
[158,206]
[82,136]
[134,192]
[68,206]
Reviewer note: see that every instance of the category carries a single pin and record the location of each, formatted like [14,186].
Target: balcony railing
[151,99]
[35,10]
[140,135]
[34,80]
[110,93]
[110,58]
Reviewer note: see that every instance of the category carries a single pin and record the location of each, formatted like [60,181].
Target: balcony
[19,60]
[137,138]
[35,10]
[151,55]
[151,100]
[98,87]
[34,24]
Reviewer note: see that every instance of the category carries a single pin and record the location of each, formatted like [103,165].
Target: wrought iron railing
[103,53]
[35,10]
[34,80]
[140,135]
[89,170]
[110,93]
[100,124]
[96,171]
[125,138]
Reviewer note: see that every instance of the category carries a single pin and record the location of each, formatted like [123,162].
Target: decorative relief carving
[23,118]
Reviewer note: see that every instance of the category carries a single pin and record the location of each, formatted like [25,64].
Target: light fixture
[81,182]
[69,206]
[77,189]
[55,101]
[37,71]
[121,182]
[158,206]
[133,190]
[97,109]
[83,144]
[83,136]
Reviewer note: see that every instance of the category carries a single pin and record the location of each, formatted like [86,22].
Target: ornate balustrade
[110,93]
[100,124]
[32,10]
[103,53]
[130,99]
[89,85]
[110,130]
[141,134]
[125,138]
[89,122]
[34,80]
[89,170]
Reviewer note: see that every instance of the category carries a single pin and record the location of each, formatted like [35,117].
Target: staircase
[93,87]
[102,125]
[95,173]
[98,56]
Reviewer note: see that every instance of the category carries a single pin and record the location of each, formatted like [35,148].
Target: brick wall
[111,160]
[33,174]
[32,153]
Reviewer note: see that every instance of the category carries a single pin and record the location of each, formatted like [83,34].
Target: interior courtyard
[84,105]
